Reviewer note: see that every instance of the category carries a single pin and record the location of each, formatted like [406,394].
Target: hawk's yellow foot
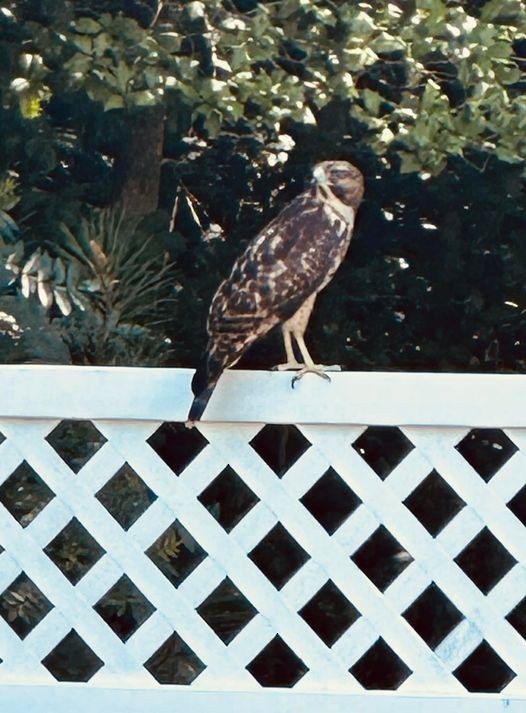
[289,366]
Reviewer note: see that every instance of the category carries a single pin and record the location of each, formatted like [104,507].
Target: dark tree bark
[139,161]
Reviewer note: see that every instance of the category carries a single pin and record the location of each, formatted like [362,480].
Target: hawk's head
[341,178]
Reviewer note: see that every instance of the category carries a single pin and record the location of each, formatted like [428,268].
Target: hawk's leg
[291,363]
[310,367]
[295,327]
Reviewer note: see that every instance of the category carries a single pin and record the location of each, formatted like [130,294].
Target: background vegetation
[143,143]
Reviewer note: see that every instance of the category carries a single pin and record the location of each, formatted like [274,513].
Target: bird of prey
[276,280]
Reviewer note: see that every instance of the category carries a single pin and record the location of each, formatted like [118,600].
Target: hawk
[276,280]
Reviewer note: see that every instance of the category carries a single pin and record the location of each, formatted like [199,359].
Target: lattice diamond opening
[434,503]
[72,660]
[517,617]
[432,615]
[517,505]
[126,497]
[484,671]
[23,605]
[74,551]
[329,613]
[280,446]
[380,668]
[174,662]
[176,553]
[228,498]
[76,442]
[25,494]
[277,665]
[278,556]
[487,450]
[124,608]
[383,448]
[330,500]
[226,610]
[382,558]
[485,560]
[177,445]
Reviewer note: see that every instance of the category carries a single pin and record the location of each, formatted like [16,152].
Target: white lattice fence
[379,544]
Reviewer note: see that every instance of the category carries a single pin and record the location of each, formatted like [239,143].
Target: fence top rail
[158,394]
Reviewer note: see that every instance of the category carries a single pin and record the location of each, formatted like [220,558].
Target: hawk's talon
[320,371]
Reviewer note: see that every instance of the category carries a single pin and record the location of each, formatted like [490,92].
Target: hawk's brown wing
[286,263]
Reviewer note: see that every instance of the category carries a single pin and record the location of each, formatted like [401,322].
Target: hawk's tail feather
[199,404]
[203,384]
[223,352]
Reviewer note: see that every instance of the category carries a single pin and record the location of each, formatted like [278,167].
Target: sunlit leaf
[86,26]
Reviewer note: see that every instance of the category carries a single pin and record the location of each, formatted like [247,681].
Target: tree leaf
[409,162]
[372,101]
[114,101]
[170,41]
[143,98]
[86,26]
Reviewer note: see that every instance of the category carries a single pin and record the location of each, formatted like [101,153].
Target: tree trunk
[139,161]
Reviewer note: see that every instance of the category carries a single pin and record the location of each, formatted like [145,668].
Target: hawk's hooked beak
[319,175]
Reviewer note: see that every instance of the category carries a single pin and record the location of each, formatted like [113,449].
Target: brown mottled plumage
[276,280]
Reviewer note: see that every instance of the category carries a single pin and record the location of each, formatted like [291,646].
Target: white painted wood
[263,397]
[434,411]
[86,699]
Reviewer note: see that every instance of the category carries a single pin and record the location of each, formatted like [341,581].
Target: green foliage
[109,272]
[22,606]
[426,96]
[8,200]
[432,78]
